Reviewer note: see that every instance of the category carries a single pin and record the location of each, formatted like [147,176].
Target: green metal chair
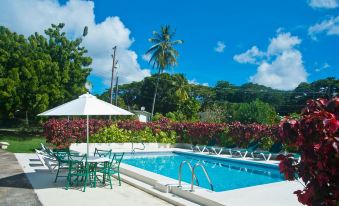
[62,158]
[111,168]
[102,153]
[78,168]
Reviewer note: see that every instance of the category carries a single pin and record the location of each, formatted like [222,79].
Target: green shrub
[266,143]
[114,134]
[166,137]
[145,135]
[226,140]
[111,134]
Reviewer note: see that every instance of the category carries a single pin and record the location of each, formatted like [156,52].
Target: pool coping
[199,195]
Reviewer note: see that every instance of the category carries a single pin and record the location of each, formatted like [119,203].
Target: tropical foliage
[62,132]
[316,137]
[40,72]
[116,134]
[249,103]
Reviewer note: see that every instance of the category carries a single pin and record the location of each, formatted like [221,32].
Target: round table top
[94,159]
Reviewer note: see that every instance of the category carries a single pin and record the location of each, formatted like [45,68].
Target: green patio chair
[102,153]
[78,168]
[111,168]
[62,159]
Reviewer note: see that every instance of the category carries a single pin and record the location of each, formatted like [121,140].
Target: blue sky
[239,24]
[294,40]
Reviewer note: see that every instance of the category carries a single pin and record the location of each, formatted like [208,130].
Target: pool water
[224,174]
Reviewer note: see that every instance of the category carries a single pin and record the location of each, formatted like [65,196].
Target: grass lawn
[21,143]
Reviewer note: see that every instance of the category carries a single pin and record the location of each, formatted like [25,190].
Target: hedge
[62,132]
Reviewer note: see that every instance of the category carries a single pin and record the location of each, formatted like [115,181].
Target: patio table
[94,159]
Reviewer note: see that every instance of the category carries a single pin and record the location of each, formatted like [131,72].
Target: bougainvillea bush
[316,137]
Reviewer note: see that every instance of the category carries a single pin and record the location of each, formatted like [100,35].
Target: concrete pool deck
[50,193]
[280,193]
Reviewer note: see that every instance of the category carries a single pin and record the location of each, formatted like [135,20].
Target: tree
[255,112]
[37,73]
[163,54]
[204,94]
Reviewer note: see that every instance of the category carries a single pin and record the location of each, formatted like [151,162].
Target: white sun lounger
[197,148]
[47,160]
[213,150]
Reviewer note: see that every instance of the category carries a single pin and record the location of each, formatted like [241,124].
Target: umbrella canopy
[86,105]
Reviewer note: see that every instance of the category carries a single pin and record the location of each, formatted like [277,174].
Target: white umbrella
[86,105]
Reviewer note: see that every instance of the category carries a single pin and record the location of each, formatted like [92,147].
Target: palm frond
[163,54]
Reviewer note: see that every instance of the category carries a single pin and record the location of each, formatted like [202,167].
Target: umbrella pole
[87,138]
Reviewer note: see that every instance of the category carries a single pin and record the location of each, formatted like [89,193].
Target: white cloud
[251,56]
[195,82]
[324,4]
[281,66]
[283,42]
[286,72]
[220,47]
[29,16]
[321,68]
[146,57]
[329,26]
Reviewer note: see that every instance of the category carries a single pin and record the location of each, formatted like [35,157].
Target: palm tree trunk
[155,95]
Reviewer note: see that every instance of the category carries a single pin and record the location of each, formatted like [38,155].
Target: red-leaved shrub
[203,132]
[316,137]
[63,132]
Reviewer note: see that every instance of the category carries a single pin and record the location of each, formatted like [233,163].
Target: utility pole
[112,77]
[116,90]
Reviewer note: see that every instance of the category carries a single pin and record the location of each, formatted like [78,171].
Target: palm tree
[163,54]
[181,87]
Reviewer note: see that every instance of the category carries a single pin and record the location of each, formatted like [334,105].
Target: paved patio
[15,188]
[51,193]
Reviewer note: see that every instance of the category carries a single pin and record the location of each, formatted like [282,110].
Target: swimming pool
[225,174]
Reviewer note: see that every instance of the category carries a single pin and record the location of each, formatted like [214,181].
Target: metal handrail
[135,148]
[180,171]
[206,174]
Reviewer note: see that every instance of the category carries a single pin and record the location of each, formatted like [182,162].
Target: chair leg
[244,154]
[119,179]
[95,178]
[68,181]
[85,183]
[269,157]
[110,181]
[56,177]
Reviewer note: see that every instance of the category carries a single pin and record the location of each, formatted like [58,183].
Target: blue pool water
[224,174]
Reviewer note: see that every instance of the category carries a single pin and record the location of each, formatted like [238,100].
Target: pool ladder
[194,177]
[137,148]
